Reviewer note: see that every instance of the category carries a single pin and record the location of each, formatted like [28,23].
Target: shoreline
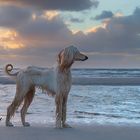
[78,132]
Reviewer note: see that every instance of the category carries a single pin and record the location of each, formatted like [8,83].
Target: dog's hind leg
[19,96]
[12,108]
[27,101]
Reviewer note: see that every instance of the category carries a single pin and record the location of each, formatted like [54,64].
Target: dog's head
[68,55]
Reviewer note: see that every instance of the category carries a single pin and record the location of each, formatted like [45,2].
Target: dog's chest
[64,82]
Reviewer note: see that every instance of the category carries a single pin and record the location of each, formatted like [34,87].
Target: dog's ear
[59,59]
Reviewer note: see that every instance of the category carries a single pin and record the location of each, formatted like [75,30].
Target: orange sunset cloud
[9,39]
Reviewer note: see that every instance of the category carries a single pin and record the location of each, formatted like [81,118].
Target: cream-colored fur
[56,81]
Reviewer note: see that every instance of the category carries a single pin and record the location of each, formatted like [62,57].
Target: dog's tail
[8,69]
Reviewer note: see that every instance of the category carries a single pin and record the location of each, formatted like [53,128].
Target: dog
[56,81]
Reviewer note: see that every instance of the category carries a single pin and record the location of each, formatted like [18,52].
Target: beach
[78,132]
[74,62]
[107,117]
[102,105]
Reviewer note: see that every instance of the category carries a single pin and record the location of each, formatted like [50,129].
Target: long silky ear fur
[65,60]
[59,58]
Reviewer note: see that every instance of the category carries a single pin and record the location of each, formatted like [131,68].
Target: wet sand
[78,132]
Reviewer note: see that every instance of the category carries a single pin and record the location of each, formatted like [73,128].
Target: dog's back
[35,70]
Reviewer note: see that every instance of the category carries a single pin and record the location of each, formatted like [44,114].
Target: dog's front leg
[58,101]
[64,113]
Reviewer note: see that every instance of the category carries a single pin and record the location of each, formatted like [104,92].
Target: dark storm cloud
[12,16]
[120,35]
[43,29]
[68,5]
[104,15]
[130,24]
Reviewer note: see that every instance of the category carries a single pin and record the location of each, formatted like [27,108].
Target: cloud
[50,14]
[9,39]
[13,16]
[66,5]
[104,15]
[45,30]
[115,44]
[76,20]
[121,34]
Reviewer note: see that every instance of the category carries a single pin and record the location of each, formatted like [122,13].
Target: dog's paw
[66,125]
[9,124]
[58,125]
[26,124]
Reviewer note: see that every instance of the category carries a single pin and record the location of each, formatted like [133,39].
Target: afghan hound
[56,81]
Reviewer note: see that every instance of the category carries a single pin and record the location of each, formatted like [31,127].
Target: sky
[34,32]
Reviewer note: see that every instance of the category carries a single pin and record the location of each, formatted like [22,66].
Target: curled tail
[8,69]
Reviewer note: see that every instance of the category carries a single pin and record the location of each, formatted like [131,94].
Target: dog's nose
[86,57]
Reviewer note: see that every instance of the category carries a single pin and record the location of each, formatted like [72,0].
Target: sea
[88,104]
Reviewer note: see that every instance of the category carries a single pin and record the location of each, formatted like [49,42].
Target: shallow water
[86,104]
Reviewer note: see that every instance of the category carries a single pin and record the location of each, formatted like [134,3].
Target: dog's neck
[64,68]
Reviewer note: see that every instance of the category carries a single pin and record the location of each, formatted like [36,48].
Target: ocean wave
[106,81]
[99,114]
[89,81]
[6,80]
[94,77]
[82,114]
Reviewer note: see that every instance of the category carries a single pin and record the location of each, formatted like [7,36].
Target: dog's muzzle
[85,58]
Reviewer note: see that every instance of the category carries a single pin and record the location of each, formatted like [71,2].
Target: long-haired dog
[56,81]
